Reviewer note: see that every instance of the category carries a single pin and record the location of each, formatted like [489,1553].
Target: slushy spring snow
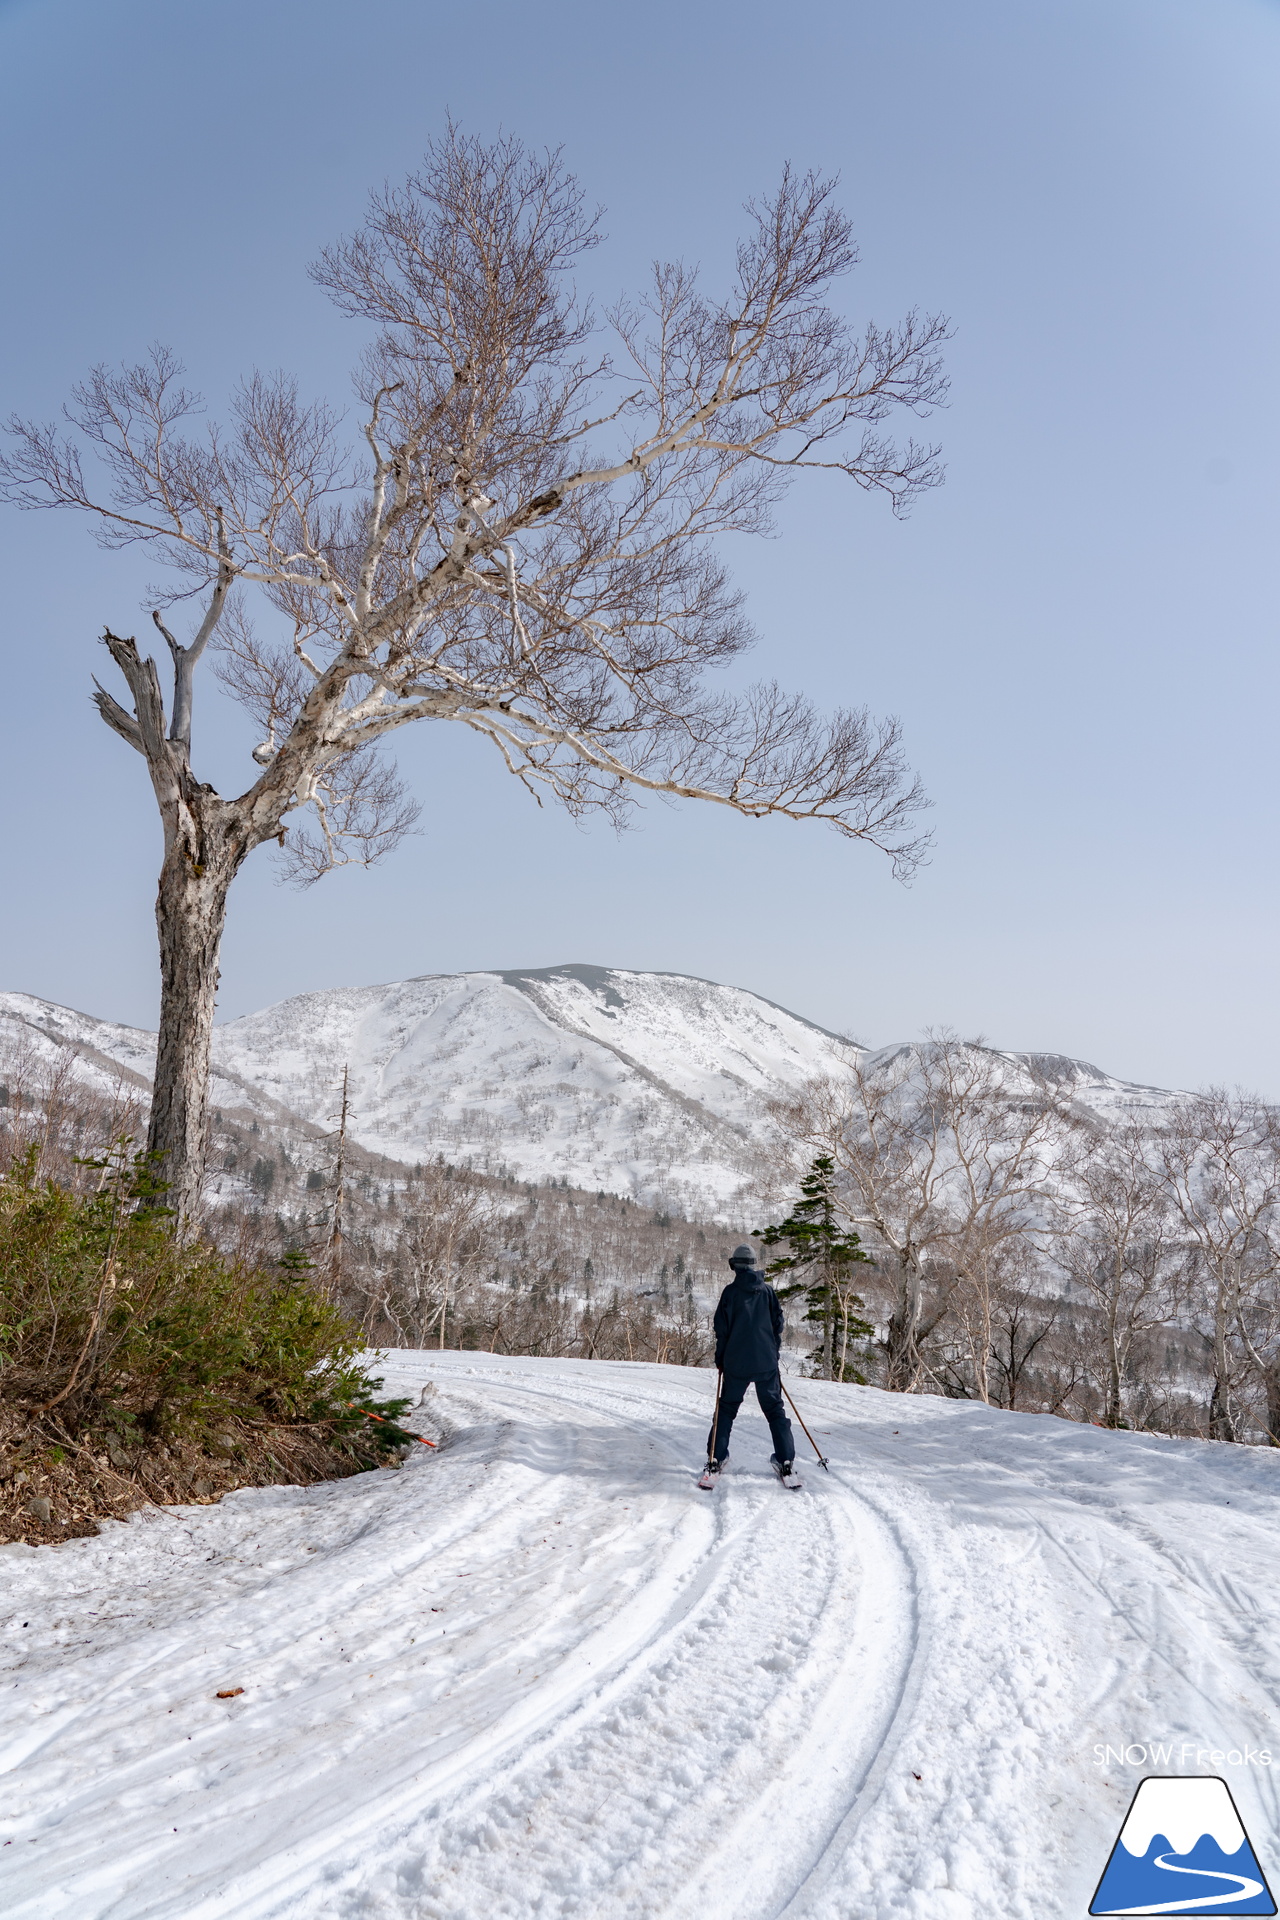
[539,1673]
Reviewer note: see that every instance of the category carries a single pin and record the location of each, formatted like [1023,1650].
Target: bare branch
[116,717]
[144,685]
[363,810]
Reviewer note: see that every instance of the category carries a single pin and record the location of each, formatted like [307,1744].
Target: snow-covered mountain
[649,1084]
[40,1042]
[644,1083]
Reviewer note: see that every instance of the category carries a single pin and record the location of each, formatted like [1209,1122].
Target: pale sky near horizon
[1078,631]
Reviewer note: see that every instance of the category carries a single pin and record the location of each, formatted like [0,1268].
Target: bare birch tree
[944,1155]
[443,1245]
[65,1122]
[1005,1127]
[890,1172]
[1258,1321]
[1120,1249]
[522,541]
[1029,1357]
[1220,1157]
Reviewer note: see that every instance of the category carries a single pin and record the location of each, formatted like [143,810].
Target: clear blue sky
[1079,631]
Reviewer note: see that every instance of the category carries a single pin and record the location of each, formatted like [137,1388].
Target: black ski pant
[733,1387]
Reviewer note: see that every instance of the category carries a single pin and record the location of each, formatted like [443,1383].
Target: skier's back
[748,1328]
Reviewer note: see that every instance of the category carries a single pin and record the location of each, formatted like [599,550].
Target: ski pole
[808,1436]
[715,1418]
[384,1422]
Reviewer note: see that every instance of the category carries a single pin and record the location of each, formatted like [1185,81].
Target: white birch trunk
[205,842]
[190,914]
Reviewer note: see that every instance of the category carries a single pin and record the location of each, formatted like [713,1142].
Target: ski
[711,1476]
[787,1475]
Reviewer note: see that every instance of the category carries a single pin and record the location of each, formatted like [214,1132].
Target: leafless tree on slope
[1220,1161]
[523,543]
[1121,1250]
[944,1155]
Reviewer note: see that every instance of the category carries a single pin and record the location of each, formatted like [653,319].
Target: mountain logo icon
[1183,1850]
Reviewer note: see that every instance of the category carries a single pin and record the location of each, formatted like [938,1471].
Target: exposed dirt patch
[58,1488]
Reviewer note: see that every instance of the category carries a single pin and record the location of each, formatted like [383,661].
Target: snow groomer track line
[538,1673]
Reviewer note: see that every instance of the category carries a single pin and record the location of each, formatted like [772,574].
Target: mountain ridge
[650,1084]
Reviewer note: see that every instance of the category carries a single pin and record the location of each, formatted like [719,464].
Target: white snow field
[539,1673]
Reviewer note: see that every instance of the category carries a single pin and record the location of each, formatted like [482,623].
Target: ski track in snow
[539,1673]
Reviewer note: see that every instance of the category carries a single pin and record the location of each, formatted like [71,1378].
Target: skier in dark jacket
[748,1329]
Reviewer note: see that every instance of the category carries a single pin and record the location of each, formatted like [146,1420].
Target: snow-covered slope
[641,1082]
[649,1084]
[38,1039]
[1102,1093]
[37,1034]
[540,1674]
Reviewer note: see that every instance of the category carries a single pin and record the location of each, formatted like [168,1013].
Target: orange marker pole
[384,1422]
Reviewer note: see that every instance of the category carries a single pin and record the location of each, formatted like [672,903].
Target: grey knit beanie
[743,1256]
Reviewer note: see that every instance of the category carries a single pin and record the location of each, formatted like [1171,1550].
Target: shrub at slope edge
[134,1369]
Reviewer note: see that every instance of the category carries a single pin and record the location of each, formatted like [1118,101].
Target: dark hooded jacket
[748,1326]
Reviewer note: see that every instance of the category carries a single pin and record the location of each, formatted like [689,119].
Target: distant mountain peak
[655,1085]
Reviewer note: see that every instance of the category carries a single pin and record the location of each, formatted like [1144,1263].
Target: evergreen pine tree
[823,1259]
